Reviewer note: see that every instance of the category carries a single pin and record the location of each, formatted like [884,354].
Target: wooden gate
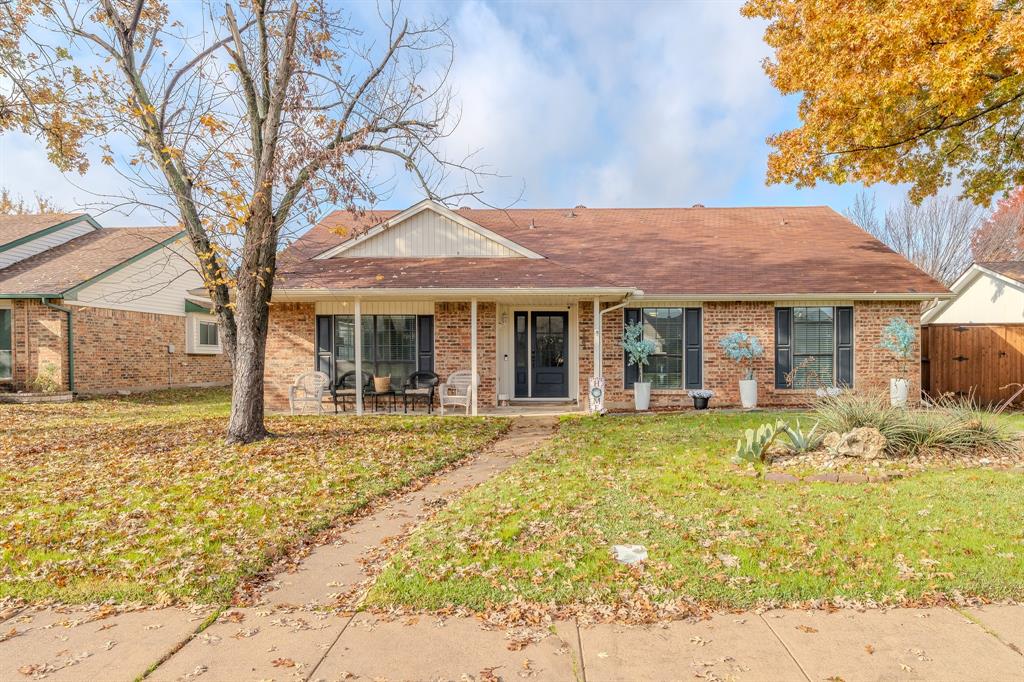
[976,358]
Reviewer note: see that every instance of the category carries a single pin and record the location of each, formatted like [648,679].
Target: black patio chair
[421,385]
[344,389]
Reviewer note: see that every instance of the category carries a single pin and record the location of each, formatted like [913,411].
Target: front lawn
[541,533]
[139,499]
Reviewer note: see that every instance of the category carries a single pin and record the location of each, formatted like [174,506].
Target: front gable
[982,296]
[429,230]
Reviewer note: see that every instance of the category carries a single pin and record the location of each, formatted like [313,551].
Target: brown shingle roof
[1014,269]
[15,227]
[74,262]
[670,251]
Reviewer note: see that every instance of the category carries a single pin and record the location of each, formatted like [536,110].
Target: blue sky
[601,104]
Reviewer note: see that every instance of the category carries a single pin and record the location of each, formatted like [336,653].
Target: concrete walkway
[288,636]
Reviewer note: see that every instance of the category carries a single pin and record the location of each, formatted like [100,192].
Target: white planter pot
[642,395]
[899,389]
[748,393]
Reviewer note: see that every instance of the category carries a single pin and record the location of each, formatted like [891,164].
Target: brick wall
[452,345]
[290,350]
[873,366]
[114,350]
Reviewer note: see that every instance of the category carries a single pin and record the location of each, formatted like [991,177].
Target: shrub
[743,349]
[46,380]
[953,424]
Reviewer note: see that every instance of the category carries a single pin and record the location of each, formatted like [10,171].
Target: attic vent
[465,208]
[783,222]
[698,206]
[533,224]
[580,206]
[570,213]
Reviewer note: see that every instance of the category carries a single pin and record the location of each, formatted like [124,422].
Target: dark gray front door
[549,350]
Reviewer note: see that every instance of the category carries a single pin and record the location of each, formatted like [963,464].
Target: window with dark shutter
[425,347]
[694,361]
[844,346]
[324,344]
[783,345]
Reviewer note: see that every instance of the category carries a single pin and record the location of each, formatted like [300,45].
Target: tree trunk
[248,364]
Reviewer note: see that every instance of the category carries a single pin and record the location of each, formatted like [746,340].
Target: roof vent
[533,224]
[783,222]
[570,213]
[465,208]
[580,206]
[698,206]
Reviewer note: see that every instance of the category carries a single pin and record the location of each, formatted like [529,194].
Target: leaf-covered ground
[541,533]
[138,499]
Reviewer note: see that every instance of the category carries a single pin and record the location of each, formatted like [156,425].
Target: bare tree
[11,204]
[1001,236]
[238,118]
[934,235]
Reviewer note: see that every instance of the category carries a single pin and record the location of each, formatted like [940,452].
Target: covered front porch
[526,352]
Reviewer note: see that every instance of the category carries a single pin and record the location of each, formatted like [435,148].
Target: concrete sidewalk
[290,636]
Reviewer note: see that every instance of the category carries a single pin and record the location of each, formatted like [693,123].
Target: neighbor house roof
[15,228]
[1014,269]
[691,252]
[64,267]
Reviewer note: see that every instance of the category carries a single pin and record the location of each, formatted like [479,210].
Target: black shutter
[325,345]
[692,339]
[425,343]
[783,345]
[630,316]
[844,346]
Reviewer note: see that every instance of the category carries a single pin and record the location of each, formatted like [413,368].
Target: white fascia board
[428,205]
[310,295]
[796,297]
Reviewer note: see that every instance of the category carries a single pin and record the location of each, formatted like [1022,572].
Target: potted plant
[744,349]
[701,397]
[898,338]
[638,350]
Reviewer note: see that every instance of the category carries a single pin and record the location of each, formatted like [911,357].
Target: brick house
[523,297]
[102,309]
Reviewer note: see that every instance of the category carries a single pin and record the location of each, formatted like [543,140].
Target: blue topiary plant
[636,347]
[898,338]
[743,349]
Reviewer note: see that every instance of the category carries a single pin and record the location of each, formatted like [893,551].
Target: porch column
[597,338]
[472,346]
[359,357]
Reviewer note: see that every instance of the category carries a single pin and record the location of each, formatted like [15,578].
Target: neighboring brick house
[813,287]
[124,291]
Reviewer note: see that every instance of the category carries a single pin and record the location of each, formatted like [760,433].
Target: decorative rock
[823,478]
[778,477]
[831,440]
[865,442]
[852,478]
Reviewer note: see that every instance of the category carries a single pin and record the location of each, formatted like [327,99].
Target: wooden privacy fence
[974,358]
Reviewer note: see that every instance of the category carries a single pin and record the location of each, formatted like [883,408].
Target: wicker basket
[382,384]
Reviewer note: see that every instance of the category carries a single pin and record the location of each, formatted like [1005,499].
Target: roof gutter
[71,339]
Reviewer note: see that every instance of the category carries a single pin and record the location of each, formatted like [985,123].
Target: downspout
[71,340]
[599,330]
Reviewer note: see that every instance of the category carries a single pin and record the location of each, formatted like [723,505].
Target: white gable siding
[40,244]
[429,235]
[157,283]
[985,300]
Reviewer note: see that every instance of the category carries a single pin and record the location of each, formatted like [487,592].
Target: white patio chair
[457,390]
[308,388]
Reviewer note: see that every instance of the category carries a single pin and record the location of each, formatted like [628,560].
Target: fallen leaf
[806,628]
[283,663]
[870,649]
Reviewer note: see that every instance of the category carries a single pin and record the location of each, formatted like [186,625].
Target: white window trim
[192,345]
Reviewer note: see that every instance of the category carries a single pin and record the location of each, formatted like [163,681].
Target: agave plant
[800,441]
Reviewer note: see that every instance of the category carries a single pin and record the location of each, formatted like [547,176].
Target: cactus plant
[755,445]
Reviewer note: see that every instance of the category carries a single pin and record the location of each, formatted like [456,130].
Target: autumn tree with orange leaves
[238,118]
[928,93]
[1001,236]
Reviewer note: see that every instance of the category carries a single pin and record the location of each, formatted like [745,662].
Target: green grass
[541,533]
[138,498]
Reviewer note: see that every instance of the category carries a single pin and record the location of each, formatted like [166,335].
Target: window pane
[208,333]
[395,346]
[664,326]
[813,347]
[5,344]
[345,344]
